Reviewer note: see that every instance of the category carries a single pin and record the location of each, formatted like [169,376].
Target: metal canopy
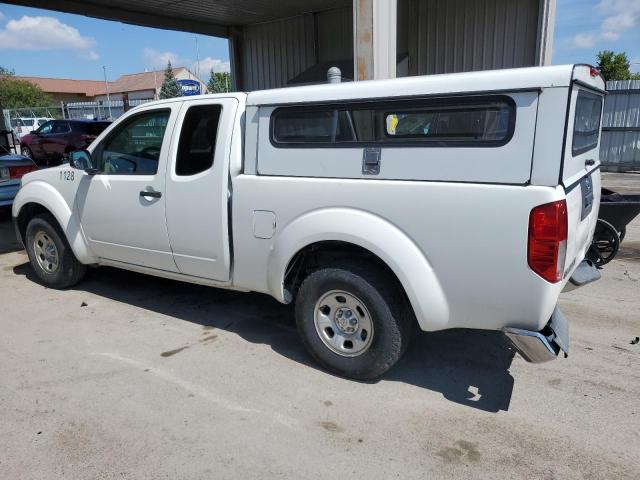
[197,16]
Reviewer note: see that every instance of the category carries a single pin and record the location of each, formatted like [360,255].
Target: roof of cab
[482,81]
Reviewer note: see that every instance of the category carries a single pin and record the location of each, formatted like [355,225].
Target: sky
[45,43]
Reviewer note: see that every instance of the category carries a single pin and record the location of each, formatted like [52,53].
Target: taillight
[594,72]
[16,173]
[548,240]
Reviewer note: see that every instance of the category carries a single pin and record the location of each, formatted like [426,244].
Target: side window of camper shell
[487,121]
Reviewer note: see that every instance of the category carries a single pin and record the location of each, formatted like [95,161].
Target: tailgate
[581,161]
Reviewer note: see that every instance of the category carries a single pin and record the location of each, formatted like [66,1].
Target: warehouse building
[288,42]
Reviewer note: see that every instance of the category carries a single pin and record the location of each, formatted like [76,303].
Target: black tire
[69,270]
[26,152]
[605,245]
[391,316]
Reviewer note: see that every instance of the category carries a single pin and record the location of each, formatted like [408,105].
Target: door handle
[150,194]
[589,162]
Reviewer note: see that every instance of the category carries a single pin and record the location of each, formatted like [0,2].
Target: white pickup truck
[448,201]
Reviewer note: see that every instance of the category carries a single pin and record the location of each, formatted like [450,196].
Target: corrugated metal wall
[439,36]
[275,52]
[620,141]
[463,35]
[335,35]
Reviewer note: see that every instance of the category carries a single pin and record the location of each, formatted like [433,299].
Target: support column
[374,42]
[546,23]
[235,59]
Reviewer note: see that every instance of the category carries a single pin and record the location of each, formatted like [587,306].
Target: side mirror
[81,159]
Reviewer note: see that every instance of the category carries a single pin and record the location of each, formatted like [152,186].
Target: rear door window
[96,128]
[586,128]
[61,127]
[198,139]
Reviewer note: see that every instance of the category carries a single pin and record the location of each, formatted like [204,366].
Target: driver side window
[46,128]
[134,148]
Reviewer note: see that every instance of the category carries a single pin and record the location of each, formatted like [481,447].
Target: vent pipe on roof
[334,75]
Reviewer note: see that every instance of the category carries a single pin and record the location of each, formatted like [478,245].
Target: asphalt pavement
[127,376]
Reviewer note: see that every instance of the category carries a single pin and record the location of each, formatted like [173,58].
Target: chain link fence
[21,121]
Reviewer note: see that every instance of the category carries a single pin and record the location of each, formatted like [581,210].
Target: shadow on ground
[8,242]
[467,367]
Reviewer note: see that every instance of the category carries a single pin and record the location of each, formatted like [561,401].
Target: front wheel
[354,320]
[50,255]
[26,152]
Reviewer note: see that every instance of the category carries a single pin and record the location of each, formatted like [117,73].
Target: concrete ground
[128,376]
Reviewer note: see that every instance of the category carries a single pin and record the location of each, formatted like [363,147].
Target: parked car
[25,125]
[52,142]
[12,168]
[454,201]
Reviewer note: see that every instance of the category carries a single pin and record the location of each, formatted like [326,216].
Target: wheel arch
[357,231]
[39,197]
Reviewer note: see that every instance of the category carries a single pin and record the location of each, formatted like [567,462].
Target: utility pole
[197,59]
[106,86]
[155,83]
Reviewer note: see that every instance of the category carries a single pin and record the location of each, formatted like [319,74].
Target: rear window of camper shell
[586,127]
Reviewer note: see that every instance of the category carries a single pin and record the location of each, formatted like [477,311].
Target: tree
[219,82]
[16,93]
[5,72]
[615,66]
[170,86]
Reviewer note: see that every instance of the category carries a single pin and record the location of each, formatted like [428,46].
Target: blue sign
[189,87]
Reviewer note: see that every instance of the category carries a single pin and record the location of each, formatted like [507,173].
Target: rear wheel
[354,320]
[50,255]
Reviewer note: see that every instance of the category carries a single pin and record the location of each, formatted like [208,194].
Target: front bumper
[545,345]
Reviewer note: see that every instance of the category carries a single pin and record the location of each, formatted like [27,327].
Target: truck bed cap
[483,81]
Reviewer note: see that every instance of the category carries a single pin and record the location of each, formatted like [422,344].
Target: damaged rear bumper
[545,345]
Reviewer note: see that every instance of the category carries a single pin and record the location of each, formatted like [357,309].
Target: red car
[54,140]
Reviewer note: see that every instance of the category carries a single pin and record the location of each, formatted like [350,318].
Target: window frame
[100,146]
[388,106]
[579,151]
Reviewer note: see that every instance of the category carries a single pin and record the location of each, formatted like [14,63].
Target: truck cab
[449,201]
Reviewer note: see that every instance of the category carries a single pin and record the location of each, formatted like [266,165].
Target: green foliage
[16,93]
[615,66]
[219,82]
[170,86]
